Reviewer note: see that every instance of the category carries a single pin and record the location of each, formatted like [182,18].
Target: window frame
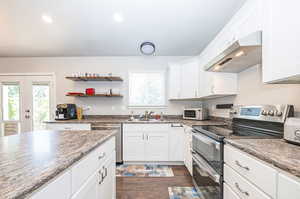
[163,73]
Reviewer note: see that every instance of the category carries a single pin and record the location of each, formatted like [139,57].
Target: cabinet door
[190,80]
[107,188]
[133,146]
[89,189]
[174,81]
[288,188]
[156,146]
[281,40]
[188,159]
[176,143]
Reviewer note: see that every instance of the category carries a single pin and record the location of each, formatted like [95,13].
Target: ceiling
[110,27]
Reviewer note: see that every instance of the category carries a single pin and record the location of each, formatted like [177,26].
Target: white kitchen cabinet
[60,188]
[89,189]
[68,126]
[288,187]
[152,142]
[133,146]
[229,193]
[174,81]
[281,30]
[176,142]
[218,84]
[190,80]
[156,146]
[107,185]
[188,158]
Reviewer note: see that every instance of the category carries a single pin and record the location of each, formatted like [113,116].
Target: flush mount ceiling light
[147,48]
[47,19]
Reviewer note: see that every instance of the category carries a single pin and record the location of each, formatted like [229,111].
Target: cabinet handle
[147,137]
[100,177]
[102,155]
[241,190]
[143,136]
[241,166]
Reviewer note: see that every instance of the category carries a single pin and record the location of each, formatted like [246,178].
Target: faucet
[148,114]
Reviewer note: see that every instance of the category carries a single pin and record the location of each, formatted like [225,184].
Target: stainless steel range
[255,122]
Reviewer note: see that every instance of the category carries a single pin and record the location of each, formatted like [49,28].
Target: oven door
[206,180]
[210,150]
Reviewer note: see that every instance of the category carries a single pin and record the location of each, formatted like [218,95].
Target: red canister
[90,91]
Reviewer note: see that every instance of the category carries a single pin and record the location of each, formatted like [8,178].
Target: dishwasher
[119,145]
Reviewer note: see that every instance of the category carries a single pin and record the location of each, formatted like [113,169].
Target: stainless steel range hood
[242,54]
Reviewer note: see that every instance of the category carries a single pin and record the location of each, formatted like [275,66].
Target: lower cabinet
[93,177]
[153,142]
[229,193]
[188,158]
[288,187]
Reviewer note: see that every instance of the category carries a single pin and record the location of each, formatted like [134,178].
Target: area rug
[144,171]
[205,192]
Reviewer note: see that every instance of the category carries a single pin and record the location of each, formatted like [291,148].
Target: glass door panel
[41,105]
[10,108]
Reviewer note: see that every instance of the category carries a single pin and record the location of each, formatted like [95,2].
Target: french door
[26,102]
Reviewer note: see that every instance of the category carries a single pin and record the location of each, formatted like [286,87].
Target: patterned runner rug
[207,192]
[144,171]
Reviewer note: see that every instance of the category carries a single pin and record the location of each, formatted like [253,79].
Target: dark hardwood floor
[152,188]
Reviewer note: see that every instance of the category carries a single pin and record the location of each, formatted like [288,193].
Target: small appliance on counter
[66,112]
[292,130]
[195,114]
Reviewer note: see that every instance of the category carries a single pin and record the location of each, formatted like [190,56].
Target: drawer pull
[101,156]
[241,190]
[241,166]
[100,177]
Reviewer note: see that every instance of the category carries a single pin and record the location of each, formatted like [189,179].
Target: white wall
[117,65]
[251,91]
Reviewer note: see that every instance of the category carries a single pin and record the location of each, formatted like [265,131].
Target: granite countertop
[125,120]
[29,160]
[277,152]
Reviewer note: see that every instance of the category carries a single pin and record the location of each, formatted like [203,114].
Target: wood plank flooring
[152,188]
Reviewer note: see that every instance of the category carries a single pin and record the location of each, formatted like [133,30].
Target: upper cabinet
[188,80]
[281,30]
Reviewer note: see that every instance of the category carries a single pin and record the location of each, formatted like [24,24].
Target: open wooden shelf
[96,95]
[102,78]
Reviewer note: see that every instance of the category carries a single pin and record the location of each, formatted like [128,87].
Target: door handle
[27,116]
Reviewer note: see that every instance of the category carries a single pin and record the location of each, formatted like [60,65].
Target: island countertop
[29,160]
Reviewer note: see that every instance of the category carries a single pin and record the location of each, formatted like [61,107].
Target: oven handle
[206,139]
[206,167]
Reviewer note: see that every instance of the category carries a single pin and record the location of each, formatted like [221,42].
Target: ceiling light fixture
[240,53]
[47,19]
[118,17]
[147,48]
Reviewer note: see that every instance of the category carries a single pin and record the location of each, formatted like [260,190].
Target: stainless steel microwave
[195,114]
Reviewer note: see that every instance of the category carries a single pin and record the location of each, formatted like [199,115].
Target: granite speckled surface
[277,152]
[117,120]
[29,160]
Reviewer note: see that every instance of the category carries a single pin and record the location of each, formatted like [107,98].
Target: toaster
[292,130]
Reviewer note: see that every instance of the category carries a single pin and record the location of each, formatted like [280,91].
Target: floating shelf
[102,78]
[96,95]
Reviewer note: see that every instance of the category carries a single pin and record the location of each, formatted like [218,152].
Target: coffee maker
[66,112]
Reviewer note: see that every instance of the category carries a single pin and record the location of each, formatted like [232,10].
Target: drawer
[89,164]
[242,187]
[259,173]
[66,126]
[59,188]
[229,193]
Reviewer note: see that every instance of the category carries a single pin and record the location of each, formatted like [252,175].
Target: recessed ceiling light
[47,19]
[118,17]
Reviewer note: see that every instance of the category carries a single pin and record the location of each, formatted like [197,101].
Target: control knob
[271,113]
[264,112]
[278,113]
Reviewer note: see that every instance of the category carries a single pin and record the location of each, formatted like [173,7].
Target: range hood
[242,54]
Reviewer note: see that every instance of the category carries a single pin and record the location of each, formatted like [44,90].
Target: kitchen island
[30,162]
